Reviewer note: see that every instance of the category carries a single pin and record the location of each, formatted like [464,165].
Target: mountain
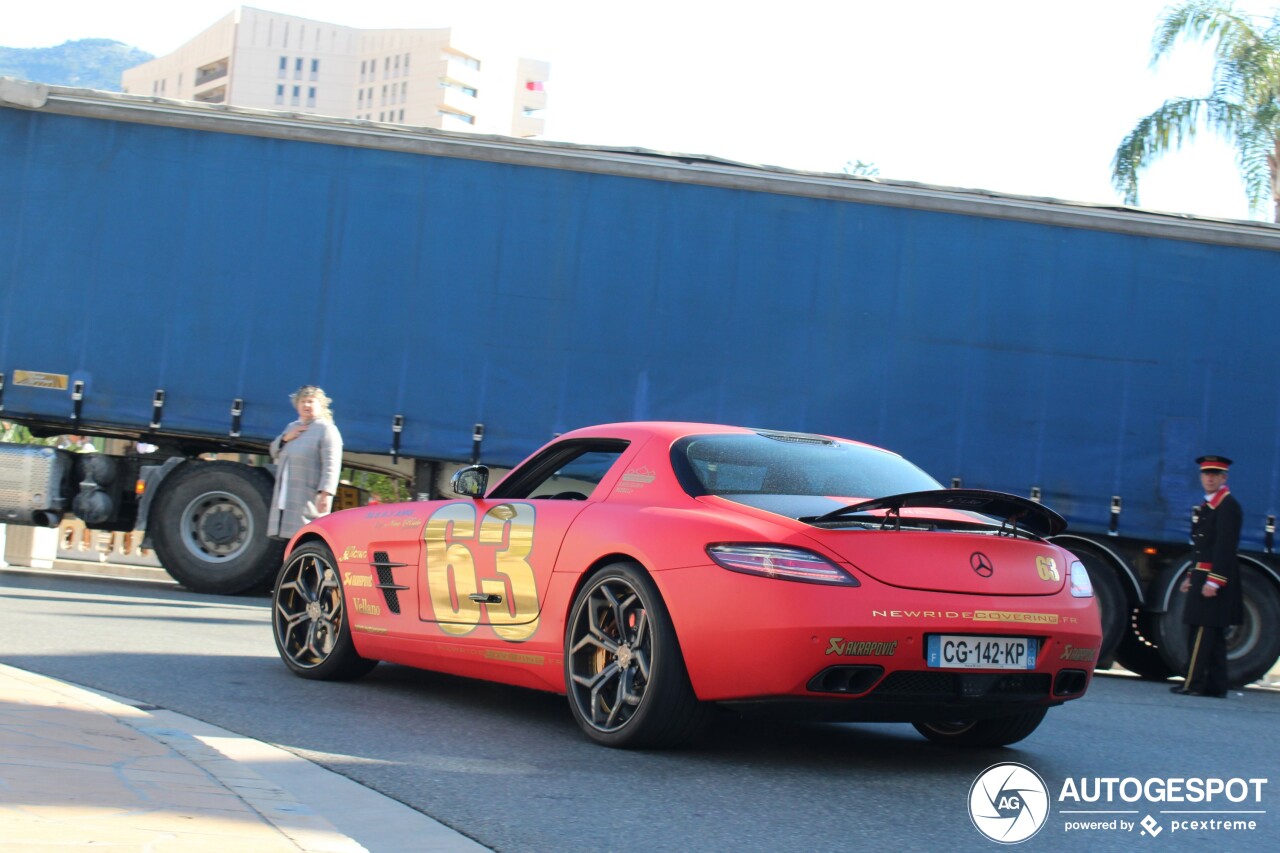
[88,63]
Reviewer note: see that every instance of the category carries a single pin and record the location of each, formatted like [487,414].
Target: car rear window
[791,464]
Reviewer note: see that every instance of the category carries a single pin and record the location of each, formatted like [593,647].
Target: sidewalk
[81,768]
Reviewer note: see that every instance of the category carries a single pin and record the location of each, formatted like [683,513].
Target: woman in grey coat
[308,457]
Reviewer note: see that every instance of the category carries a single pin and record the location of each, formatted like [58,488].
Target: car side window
[577,479]
[564,472]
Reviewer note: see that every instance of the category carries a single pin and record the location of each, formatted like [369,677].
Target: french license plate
[955,651]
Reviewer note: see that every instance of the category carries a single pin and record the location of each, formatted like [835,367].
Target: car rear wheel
[997,731]
[625,676]
[313,635]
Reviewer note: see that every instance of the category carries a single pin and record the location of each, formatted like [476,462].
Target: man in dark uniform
[1212,587]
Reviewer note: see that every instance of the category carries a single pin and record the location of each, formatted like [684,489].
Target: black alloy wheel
[626,678]
[312,633]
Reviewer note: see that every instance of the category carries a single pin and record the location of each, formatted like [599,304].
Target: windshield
[788,464]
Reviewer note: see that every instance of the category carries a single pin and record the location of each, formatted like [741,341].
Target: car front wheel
[313,634]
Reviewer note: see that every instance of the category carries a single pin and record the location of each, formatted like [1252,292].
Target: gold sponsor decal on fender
[354,553]
[1070,652]
[39,379]
[1047,569]
[349,579]
[362,605]
[855,648]
[368,629]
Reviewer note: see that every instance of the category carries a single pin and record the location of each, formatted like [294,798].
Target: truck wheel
[1139,652]
[209,527]
[1252,646]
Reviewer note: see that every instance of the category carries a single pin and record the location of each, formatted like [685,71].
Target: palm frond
[1243,104]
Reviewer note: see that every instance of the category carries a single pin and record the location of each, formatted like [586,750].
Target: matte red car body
[742,637]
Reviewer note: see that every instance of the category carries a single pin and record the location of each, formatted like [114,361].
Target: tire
[997,731]
[209,527]
[1113,604]
[625,676]
[1252,647]
[309,618]
[1139,650]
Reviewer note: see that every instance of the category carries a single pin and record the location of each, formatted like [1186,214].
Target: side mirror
[470,482]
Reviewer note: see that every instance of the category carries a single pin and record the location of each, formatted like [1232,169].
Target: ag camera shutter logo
[1008,803]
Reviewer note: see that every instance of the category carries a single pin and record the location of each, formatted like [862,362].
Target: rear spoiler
[1011,509]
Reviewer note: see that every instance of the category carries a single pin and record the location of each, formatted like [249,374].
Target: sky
[1029,97]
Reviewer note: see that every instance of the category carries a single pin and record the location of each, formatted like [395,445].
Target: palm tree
[1243,106]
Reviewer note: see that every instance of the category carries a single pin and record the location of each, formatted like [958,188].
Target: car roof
[669,431]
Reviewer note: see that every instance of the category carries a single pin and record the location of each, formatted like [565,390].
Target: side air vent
[387,579]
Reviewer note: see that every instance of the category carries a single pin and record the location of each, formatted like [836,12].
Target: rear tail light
[781,563]
[1081,586]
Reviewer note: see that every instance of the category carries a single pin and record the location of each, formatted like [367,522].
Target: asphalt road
[509,768]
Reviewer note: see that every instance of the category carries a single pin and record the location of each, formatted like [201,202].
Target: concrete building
[428,77]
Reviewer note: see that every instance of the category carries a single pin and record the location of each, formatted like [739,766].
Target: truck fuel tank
[32,479]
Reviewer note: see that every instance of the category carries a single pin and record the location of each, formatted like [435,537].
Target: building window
[402,115]
[297,96]
[383,102]
[315,69]
[311,97]
[212,71]
[360,99]
[362,65]
[404,91]
[216,95]
[297,68]
[284,67]
[397,65]
[469,62]
[456,116]
[280,95]
[406,64]
[446,83]
[386,68]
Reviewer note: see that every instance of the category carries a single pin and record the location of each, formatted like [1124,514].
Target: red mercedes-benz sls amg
[654,572]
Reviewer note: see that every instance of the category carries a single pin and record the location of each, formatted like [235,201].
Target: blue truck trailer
[169,271]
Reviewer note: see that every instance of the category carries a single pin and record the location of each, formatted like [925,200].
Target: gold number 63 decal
[451,540]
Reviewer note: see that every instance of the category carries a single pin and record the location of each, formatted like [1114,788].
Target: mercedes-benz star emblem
[981,564]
